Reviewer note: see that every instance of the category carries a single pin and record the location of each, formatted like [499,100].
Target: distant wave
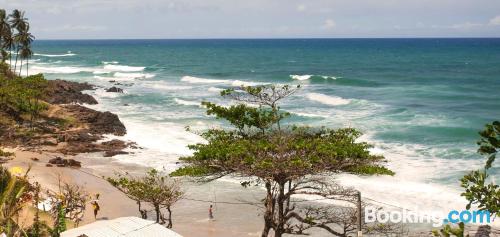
[60,70]
[307,77]
[186,102]
[123,68]
[162,85]
[310,115]
[55,55]
[199,80]
[113,78]
[327,100]
[133,75]
[111,62]
[246,83]
[215,89]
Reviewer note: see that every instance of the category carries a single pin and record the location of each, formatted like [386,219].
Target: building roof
[123,226]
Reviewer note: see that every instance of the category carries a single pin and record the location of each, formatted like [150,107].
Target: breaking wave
[55,55]
[307,77]
[123,68]
[327,100]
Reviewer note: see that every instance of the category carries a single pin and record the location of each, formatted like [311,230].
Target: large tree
[286,160]
[20,23]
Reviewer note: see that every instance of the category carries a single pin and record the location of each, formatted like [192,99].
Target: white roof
[123,226]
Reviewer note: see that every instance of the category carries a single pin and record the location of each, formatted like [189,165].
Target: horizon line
[279,38]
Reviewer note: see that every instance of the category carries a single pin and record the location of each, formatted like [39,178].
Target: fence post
[360,232]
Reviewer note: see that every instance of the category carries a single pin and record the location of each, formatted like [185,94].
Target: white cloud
[301,8]
[495,21]
[329,24]
[465,26]
[74,28]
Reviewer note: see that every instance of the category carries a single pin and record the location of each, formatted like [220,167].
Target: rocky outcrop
[115,90]
[66,92]
[98,122]
[60,162]
[67,127]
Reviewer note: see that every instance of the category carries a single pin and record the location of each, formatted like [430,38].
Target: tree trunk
[144,213]
[20,67]
[280,227]
[169,218]
[27,65]
[268,214]
[15,64]
[157,210]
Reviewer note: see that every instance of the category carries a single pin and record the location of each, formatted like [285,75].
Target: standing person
[95,206]
[210,213]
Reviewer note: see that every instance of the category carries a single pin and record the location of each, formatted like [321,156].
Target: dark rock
[98,122]
[50,141]
[115,90]
[115,144]
[66,92]
[112,81]
[35,159]
[49,165]
[125,104]
[114,153]
[60,162]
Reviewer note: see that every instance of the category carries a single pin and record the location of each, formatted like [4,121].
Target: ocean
[420,102]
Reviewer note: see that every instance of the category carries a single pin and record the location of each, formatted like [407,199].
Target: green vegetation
[15,193]
[478,191]
[21,96]
[15,38]
[5,154]
[153,188]
[448,231]
[287,160]
[18,96]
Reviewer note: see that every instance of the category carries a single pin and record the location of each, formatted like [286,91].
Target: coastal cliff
[66,126]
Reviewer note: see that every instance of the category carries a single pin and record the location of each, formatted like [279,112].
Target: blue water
[421,102]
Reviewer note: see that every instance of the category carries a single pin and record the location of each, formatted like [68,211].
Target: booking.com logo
[437,219]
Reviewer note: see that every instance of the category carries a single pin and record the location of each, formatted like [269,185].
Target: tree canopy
[287,160]
[153,188]
[478,190]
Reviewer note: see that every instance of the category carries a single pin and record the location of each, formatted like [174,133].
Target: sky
[172,19]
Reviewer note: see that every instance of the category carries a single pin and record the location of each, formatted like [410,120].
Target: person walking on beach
[95,206]
[210,213]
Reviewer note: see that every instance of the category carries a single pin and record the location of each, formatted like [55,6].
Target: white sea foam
[246,83]
[186,102]
[55,55]
[215,89]
[133,75]
[169,87]
[123,68]
[327,100]
[301,77]
[311,115]
[111,62]
[199,80]
[59,70]
[307,77]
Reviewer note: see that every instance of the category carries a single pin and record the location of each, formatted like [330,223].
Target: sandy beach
[190,216]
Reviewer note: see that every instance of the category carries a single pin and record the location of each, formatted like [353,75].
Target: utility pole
[360,232]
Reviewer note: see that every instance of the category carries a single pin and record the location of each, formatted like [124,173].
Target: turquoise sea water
[421,102]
